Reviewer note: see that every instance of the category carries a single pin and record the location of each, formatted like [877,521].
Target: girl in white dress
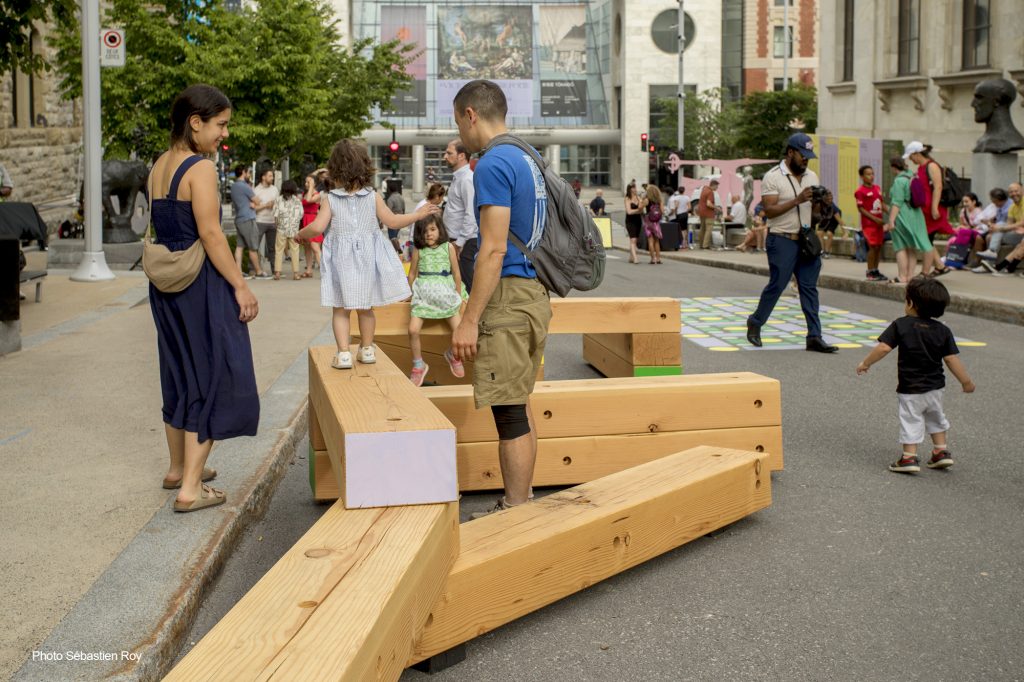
[359,269]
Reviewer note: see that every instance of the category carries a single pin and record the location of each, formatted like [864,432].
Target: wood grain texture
[604,407]
[575,315]
[347,602]
[517,561]
[316,436]
[571,461]
[652,350]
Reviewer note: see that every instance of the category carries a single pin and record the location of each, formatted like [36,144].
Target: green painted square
[657,371]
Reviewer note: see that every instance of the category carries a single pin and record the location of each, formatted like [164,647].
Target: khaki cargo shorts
[512,333]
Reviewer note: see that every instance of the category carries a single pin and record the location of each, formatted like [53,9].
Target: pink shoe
[417,374]
[458,371]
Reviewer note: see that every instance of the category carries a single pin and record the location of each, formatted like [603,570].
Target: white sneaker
[985,267]
[988,253]
[366,355]
[343,360]
[980,269]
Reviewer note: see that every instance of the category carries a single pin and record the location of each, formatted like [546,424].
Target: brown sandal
[277,275]
[208,475]
[210,497]
[296,276]
[307,275]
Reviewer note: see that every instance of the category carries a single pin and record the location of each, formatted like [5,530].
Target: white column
[93,267]
[553,155]
[418,162]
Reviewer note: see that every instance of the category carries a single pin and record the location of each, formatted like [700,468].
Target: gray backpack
[570,254]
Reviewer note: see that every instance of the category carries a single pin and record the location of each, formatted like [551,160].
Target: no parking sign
[112,51]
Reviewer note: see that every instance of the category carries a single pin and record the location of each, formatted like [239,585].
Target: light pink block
[399,468]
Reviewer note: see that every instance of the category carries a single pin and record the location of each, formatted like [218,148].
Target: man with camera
[786,193]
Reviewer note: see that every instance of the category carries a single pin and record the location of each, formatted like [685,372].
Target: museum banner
[408,25]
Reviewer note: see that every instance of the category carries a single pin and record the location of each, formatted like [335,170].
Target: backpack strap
[172,193]
[516,141]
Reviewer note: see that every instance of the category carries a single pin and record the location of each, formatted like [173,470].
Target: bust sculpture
[991,103]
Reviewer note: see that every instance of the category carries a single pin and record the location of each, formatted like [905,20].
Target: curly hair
[349,167]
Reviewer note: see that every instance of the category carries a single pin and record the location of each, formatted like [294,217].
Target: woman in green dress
[437,291]
[906,223]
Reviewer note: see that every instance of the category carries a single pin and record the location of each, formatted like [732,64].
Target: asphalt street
[853,573]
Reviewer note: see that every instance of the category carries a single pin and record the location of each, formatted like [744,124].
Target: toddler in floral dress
[437,291]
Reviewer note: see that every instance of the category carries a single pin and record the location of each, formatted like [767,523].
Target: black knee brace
[511,421]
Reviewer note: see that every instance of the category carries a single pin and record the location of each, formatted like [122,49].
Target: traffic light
[394,147]
[643,142]
[652,149]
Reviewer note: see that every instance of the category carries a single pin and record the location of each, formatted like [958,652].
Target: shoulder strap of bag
[799,217]
[516,141]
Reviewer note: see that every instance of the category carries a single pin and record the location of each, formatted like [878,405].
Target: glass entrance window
[588,163]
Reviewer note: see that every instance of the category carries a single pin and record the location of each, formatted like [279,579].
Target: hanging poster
[489,42]
[562,51]
[408,25]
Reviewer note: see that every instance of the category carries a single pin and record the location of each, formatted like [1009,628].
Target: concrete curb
[967,305]
[139,611]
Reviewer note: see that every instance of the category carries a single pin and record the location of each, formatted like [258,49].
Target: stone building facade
[764,44]
[41,140]
[906,69]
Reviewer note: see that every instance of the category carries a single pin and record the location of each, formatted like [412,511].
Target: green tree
[710,124]
[769,117]
[16,21]
[294,88]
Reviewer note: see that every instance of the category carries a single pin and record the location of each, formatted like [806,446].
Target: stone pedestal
[989,171]
[67,254]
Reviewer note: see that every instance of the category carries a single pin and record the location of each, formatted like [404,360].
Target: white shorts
[921,413]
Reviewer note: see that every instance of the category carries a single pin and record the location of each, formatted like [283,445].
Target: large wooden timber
[347,602]
[576,315]
[630,355]
[517,561]
[604,407]
[387,443]
[571,461]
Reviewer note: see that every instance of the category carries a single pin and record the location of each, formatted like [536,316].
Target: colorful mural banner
[485,42]
[408,25]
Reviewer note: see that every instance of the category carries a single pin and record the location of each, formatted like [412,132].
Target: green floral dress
[433,292]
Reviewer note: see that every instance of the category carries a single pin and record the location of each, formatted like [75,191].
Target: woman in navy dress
[206,371]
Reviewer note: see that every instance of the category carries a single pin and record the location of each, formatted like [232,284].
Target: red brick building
[765,44]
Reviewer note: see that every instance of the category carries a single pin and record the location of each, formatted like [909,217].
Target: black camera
[818,193]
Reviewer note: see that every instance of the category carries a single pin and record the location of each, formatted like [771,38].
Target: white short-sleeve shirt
[783,184]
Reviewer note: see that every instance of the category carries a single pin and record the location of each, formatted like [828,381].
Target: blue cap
[803,144]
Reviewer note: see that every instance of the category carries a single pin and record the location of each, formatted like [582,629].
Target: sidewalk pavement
[95,560]
[980,295]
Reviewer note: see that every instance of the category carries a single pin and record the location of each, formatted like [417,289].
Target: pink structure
[729,180]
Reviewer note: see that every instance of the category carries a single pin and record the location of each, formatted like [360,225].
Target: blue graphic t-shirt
[507,176]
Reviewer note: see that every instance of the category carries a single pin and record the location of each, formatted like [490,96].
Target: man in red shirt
[872,209]
[706,209]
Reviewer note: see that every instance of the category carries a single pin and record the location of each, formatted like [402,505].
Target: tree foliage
[16,21]
[294,88]
[756,126]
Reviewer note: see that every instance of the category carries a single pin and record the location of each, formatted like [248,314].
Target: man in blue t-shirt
[243,200]
[505,325]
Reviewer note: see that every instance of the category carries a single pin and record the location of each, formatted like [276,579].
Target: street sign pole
[93,267]
[680,93]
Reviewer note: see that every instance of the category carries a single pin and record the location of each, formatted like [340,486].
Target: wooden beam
[387,443]
[653,350]
[576,315]
[605,360]
[316,436]
[571,461]
[517,561]
[605,407]
[345,603]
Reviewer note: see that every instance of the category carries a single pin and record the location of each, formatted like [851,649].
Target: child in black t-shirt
[924,344]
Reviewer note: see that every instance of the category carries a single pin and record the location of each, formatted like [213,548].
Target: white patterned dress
[359,267]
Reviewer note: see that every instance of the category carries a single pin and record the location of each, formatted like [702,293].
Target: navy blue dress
[206,370]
